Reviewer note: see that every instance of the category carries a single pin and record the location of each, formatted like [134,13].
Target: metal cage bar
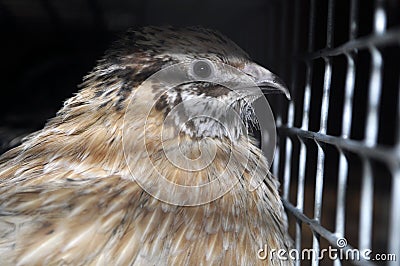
[346,128]
[394,228]
[368,150]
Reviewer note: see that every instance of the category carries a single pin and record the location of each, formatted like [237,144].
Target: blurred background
[47,46]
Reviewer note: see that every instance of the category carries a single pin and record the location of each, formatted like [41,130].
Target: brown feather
[69,195]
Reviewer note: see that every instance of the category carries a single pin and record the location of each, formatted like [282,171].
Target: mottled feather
[67,194]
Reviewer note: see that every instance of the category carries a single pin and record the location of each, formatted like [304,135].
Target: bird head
[200,81]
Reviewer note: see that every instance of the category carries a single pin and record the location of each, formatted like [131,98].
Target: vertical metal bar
[300,191]
[323,125]
[307,98]
[287,169]
[376,79]
[371,132]
[366,208]
[311,27]
[291,114]
[341,198]
[353,19]
[330,24]
[305,124]
[379,17]
[325,96]
[303,147]
[277,157]
[278,123]
[394,228]
[318,199]
[282,68]
[348,97]
[398,120]
[346,129]
[307,90]
[319,179]
[343,164]
[341,195]
[288,154]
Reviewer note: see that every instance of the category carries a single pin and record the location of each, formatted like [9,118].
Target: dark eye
[202,69]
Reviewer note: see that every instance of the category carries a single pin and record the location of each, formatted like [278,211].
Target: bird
[149,163]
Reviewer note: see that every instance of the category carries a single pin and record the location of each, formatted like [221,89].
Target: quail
[149,163]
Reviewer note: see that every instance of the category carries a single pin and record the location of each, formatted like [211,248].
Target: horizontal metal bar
[388,37]
[322,231]
[388,155]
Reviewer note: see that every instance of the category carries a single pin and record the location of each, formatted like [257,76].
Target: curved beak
[267,81]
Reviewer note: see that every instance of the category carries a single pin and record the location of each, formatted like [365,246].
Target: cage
[338,153]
